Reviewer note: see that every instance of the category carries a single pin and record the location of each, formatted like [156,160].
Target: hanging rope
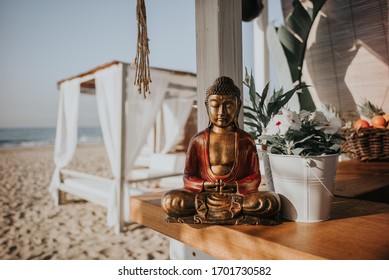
[141,61]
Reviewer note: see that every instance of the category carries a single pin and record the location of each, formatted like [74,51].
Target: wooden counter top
[358,230]
[355,178]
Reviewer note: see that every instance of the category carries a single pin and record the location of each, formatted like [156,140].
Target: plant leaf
[252,125]
[263,96]
[304,139]
[250,116]
[294,35]
[297,151]
[275,106]
[249,109]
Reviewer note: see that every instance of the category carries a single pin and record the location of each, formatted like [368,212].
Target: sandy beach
[32,227]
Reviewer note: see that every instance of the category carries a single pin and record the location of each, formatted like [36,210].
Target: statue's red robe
[245,171]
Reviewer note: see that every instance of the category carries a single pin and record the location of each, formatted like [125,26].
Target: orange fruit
[378,122]
[361,124]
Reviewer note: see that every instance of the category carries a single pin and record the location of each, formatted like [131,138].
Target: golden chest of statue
[221,152]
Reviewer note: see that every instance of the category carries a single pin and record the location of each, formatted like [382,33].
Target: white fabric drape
[140,117]
[175,114]
[66,134]
[141,113]
[109,97]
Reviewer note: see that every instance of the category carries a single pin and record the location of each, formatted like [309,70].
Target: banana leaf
[294,35]
[287,45]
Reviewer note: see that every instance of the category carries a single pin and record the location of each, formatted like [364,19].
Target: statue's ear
[209,119]
[238,105]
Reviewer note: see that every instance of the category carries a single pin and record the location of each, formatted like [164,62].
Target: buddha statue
[222,176]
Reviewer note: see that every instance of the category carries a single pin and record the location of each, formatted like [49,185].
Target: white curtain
[140,116]
[141,112]
[109,97]
[66,135]
[175,114]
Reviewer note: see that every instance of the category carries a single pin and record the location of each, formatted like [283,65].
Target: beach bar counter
[358,227]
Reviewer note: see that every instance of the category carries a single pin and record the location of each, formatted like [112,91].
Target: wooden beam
[218,47]
[106,65]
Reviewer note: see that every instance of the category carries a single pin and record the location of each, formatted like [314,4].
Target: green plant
[369,110]
[263,107]
[286,132]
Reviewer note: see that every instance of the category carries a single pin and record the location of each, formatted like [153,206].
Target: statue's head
[223,102]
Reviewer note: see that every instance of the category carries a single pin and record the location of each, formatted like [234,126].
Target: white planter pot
[305,185]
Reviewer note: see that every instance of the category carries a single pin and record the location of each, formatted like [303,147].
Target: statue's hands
[219,187]
[228,187]
[212,187]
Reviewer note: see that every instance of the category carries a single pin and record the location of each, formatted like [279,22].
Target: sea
[34,137]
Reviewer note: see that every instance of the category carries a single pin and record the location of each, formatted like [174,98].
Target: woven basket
[367,144]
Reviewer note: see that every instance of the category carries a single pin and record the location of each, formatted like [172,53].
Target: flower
[277,125]
[330,127]
[281,123]
[292,118]
[317,117]
[307,133]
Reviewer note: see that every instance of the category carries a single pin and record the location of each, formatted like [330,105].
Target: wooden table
[358,229]
[355,178]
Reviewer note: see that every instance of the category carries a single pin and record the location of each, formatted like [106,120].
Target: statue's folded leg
[261,204]
[179,203]
[258,208]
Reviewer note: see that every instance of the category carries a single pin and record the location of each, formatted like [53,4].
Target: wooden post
[158,133]
[218,47]
[218,53]
[122,164]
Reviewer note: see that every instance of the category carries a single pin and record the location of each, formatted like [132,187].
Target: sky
[44,41]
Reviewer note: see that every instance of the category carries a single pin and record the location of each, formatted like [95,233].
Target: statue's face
[222,110]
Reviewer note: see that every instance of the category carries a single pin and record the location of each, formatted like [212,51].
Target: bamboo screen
[349,57]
